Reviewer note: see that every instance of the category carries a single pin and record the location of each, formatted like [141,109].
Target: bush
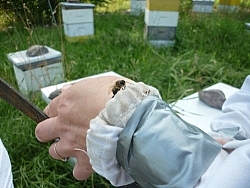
[39,11]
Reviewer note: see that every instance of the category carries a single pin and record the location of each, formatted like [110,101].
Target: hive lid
[76,5]
[22,61]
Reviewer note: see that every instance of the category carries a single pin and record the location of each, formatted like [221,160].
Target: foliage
[245,4]
[30,12]
[98,3]
[40,12]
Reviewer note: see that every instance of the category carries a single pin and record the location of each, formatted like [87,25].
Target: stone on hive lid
[36,50]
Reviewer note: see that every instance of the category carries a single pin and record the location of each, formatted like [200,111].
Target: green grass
[209,48]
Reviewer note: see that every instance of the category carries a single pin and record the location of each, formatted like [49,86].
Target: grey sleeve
[158,149]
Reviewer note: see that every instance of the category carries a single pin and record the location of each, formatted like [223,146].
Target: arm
[70,114]
[105,129]
[235,122]
[141,134]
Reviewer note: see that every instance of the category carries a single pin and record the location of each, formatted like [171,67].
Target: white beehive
[161,20]
[46,91]
[78,19]
[203,6]
[247,26]
[33,73]
[137,7]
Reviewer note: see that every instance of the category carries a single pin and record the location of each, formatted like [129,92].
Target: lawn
[209,48]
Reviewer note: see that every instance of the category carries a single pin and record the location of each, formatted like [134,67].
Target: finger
[47,130]
[83,168]
[51,109]
[57,151]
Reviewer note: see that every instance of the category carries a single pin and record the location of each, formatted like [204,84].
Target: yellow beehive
[230,2]
[229,5]
[163,5]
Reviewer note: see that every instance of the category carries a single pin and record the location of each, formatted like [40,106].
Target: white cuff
[105,130]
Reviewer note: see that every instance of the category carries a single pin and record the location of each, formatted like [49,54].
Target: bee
[119,84]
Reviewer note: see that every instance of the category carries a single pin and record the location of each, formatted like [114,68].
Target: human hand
[70,114]
[220,138]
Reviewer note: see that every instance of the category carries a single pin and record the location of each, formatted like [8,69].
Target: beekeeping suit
[138,137]
[6,179]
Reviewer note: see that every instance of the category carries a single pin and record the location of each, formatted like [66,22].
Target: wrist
[120,108]
[106,128]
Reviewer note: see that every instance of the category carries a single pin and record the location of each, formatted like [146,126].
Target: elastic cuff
[105,130]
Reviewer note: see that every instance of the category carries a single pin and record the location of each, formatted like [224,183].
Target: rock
[36,50]
[54,94]
[213,97]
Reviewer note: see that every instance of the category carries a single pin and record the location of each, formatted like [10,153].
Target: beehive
[229,5]
[33,73]
[203,6]
[78,20]
[161,20]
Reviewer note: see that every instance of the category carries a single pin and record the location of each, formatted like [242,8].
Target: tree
[39,11]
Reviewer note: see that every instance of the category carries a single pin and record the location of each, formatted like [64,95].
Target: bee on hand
[119,84]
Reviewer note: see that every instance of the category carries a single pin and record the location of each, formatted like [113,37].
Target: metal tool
[13,97]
